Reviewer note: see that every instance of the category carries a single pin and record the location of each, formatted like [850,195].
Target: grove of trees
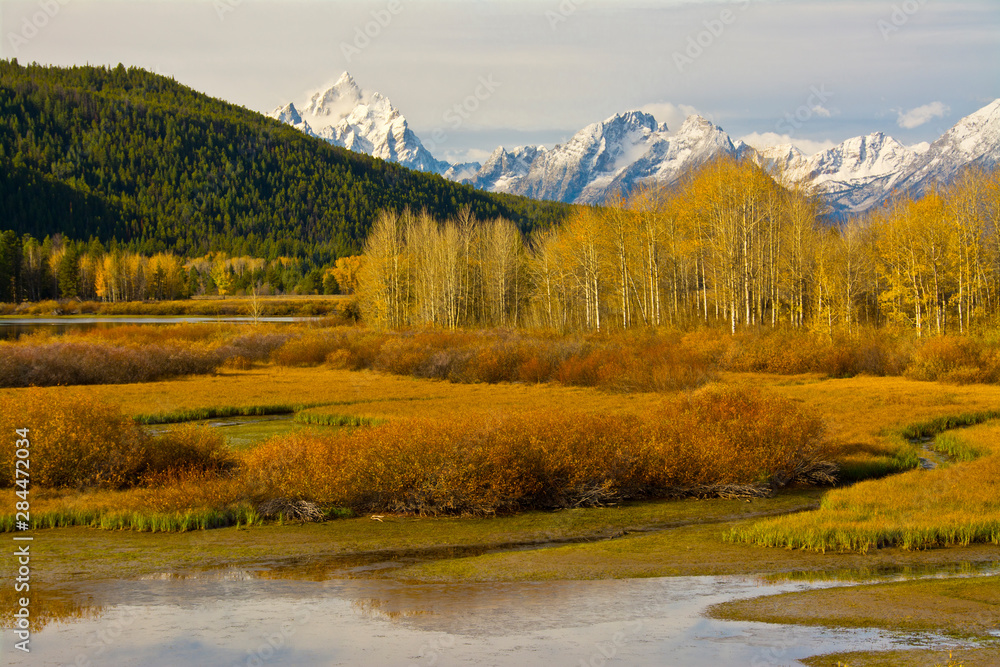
[729,246]
[58,268]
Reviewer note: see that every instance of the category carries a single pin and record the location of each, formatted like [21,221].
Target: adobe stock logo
[813,107]
[900,16]
[700,42]
[35,23]
[458,113]
[363,35]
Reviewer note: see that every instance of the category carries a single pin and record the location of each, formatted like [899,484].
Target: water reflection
[237,618]
[48,604]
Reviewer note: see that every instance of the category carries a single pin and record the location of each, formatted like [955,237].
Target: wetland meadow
[318,492]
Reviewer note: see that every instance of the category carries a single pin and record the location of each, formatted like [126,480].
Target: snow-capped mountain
[363,121]
[863,172]
[604,158]
[974,140]
[582,169]
[852,176]
[858,173]
[696,142]
[289,114]
[632,148]
[504,168]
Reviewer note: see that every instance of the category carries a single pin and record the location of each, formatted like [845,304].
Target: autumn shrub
[80,443]
[312,347]
[304,351]
[962,360]
[63,363]
[47,307]
[487,463]
[139,335]
[872,353]
[775,351]
[792,351]
[253,346]
[403,355]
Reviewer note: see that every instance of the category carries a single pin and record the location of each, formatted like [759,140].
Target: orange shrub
[89,363]
[642,362]
[955,359]
[81,443]
[485,463]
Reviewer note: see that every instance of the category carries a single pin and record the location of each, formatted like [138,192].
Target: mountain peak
[635,119]
[974,136]
[363,121]
[330,105]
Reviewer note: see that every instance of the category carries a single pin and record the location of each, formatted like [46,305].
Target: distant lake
[12,328]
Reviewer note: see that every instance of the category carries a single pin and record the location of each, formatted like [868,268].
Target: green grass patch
[905,458]
[955,448]
[241,515]
[328,419]
[218,412]
[965,657]
[940,424]
[956,504]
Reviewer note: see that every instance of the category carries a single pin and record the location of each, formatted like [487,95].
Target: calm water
[14,327]
[238,617]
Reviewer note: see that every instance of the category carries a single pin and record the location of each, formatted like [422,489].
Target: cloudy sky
[487,72]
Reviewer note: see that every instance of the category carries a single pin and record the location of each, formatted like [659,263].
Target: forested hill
[129,155]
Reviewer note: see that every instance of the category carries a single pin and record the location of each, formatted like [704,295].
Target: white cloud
[766,139]
[923,114]
[470,155]
[822,111]
[673,115]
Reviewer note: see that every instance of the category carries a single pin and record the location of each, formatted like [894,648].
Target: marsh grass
[218,412]
[333,419]
[199,519]
[957,504]
[957,450]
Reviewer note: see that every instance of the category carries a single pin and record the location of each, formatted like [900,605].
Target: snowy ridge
[632,148]
[361,121]
[862,172]
[583,169]
[604,159]
[974,140]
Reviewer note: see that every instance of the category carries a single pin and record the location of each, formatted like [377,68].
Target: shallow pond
[244,432]
[240,617]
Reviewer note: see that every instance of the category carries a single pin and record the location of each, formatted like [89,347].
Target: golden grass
[861,414]
[965,657]
[451,459]
[343,389]
[865,415]
[956,504]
